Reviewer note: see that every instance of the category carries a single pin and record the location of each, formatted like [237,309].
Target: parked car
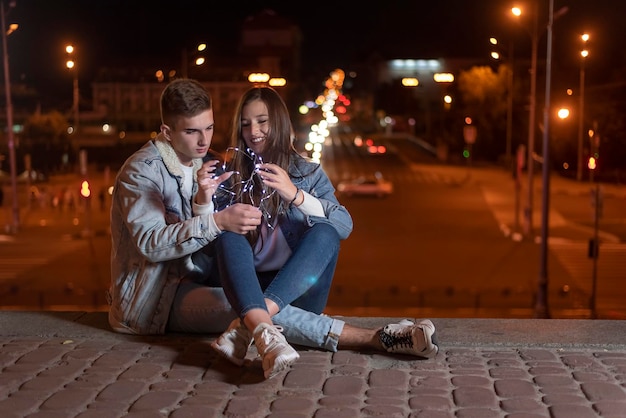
[374,185]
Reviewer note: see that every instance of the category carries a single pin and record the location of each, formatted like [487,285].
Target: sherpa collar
[170,159]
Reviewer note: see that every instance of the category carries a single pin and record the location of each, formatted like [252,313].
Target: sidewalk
[68,364]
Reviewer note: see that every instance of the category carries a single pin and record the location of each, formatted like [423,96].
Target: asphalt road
[440,245]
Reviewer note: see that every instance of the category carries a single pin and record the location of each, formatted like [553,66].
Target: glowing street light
[9,109]
[509,98]
[581,108]
[71,65]
[534,34]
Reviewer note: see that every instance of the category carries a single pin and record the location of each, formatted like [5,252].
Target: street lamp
[9,107]
[534,34]
[541,303]
[71,64]
[509,99]
[581,108]
[199,58]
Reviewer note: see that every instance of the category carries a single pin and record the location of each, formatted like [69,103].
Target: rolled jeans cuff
[309,329]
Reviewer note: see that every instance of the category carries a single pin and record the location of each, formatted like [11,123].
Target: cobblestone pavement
[70,365]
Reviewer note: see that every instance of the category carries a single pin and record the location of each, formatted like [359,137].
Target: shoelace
[392,340]
[269,339]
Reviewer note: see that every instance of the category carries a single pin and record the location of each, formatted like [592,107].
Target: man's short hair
[183,97]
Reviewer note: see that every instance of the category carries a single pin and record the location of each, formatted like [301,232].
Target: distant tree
[483,94]
[45,138]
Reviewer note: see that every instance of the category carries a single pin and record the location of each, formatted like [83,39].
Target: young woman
[290,258]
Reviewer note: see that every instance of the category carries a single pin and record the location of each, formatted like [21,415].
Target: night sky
[120,32]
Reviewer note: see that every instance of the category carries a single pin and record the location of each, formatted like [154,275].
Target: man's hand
[208,183]
[239,218]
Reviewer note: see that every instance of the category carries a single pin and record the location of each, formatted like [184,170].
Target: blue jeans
[203,308]
[304,281]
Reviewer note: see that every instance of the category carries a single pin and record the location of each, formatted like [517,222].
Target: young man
[163,277]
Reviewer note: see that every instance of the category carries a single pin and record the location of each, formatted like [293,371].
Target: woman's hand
[208,183]
[278,179]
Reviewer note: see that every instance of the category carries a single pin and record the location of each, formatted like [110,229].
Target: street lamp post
[541,303]
[534,34]
[71,64]
[9,109]
[509,100]
[581,109]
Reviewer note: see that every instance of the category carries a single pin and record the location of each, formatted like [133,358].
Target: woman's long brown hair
[278,150]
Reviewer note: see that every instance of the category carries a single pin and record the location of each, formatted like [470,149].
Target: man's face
[191,137]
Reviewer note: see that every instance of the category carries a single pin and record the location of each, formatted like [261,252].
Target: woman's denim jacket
[311,178]
[156,239]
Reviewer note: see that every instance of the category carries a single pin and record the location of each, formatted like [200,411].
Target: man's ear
[166,131]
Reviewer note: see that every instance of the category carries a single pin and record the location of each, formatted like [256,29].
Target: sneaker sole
[226,355]
[283,364]
[432,335]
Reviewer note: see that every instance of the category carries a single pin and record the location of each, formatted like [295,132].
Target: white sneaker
[275,351]
[407,337]
[233,344]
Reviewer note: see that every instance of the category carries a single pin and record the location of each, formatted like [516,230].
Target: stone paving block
[427,382]
[610,408]
[43,384]
[243,407]
[591,376]
[294,404]
[429,402]
[122,391]
[20,405]
[386,378]
[508,373]
[556,381]
[160,401]
[571,411]
[512,388]
[578,361]
[97,413]
[305,379]
[338,412]
[332,401]
[116,359]
[603,391]
[565,398]
[459,381]
[389,392]
[521,405]
[548,370]
[110,405]
[69,399]
[344,385]
[474,397]
[196,411]
[389,411]
[432,414]
[537,354]
[478,413]
[349,370]
[348,357]
[42,355]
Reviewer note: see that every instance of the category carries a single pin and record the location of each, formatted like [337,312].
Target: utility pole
[9,106]
[528,210]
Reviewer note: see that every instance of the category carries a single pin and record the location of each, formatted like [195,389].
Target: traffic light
[591,164]
[84,189]
[466,153]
